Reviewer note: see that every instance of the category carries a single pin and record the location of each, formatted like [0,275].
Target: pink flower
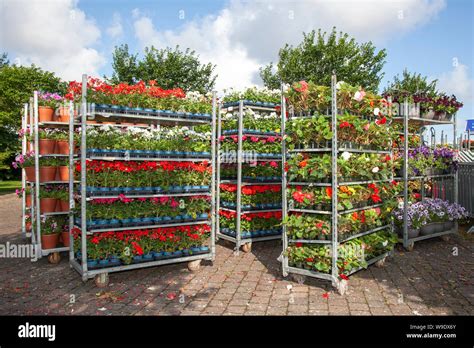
[359,95]
[174,203]
[221,138]
[254,139]
[244,137]
[271,139]
[367,126]
[273,164]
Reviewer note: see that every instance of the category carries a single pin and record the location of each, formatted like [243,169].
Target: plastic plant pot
[91,264]
[137,258]
[187,217]
[136,221]
[157,220]
[147,221]
[167,219]
[195,250]
[104,263]
[185,252]
[115,190]
[157,189]
[187,188]
[104,191]
[196,187]
[203,216]
[168,153]
[114,223]
[148,257]
[177,253]
[167,254]
[157,255]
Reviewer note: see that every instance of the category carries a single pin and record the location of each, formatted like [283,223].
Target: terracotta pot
[63,114]
[62,147]
[63,173]
[48,205]
[46,146]
[47,173]
[49,241]
[62,206]
[30,173]
[65,238]
[27,200]
[45,114]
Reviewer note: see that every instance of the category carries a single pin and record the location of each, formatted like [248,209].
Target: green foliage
[411,83]
[319,54]
[171,68]
[17,84]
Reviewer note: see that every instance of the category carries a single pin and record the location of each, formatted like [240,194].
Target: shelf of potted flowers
[146,184]
[338,181]
[434,166]
[249,167]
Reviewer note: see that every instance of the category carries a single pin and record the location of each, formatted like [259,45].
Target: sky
[71,37]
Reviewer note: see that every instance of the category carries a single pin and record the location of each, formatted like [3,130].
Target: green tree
[125,65]
[17,84]
[411,83]
[319,54]
[170,68]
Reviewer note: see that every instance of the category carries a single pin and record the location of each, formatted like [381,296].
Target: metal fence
[466,186]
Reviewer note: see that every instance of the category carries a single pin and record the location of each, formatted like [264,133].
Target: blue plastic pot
[187,217]
[137,258]
[196,187]
[185,251]
[177,253]
[157,189]
[126,222]
[195,249]
[157,220]
[166,219]
[148,257]
[127,190]
[204,248]
[148,221]
[104,263]
[157,255]
[114,260]
[91,263]
[203,216]
[167,254]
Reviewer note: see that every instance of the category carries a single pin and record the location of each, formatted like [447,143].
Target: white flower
[385,243]
[376,111]
[375,170]
[359,95]
[346,155]
[339,84]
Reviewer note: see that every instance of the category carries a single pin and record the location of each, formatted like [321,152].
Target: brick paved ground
[427,281]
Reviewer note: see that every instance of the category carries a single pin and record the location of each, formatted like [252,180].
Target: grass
[9,186]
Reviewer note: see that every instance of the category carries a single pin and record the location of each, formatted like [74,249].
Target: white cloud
[245,35]
[115,30]
[55,35]
[457,82]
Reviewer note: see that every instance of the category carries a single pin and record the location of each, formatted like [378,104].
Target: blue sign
[470,126]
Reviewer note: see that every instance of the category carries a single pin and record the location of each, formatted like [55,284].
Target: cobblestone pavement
[428,281]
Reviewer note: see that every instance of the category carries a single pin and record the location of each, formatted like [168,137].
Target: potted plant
[63,113]
[47,169]
[46,104]
[62,142]
[48,200]
[49,233]
[63,169]
[62,195]
[27,163]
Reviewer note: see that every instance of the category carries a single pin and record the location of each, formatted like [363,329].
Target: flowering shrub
[253,196]
[145,174]
[51,100]
[140,95]
[270,144]
[252,120]
[303,167]
[429,211]
[255,170]
[126,208]
[24,161]
[135,138]
[250,221]
[127,244]
[351,255]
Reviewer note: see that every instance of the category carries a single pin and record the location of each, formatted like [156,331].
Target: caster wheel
[410,246]
[445,238]
[54,258]
[247,247]
[101,280]
[194,266]
[298,278]
[380,263]
[342,286]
